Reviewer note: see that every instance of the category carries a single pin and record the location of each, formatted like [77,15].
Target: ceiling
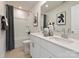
[26,5]
[51,5]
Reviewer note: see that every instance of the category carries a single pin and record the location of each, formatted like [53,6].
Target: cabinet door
[34,46]
[45,54]
[35,51]
[31,48]
[31,45]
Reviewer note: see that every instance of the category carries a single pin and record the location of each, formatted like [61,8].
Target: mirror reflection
[63,14]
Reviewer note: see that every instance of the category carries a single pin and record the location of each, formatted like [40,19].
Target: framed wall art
[35,22]
[61,18]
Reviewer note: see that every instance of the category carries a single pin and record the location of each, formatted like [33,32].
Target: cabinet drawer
[58,50]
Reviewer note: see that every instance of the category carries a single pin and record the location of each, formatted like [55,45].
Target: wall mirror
[49,14]
[51,10]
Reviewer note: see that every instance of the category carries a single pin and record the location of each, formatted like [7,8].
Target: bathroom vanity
[53,46]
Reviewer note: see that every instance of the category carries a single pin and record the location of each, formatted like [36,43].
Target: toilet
[26,44]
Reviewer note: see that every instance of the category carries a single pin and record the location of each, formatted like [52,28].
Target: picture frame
[35,22]
[61,18]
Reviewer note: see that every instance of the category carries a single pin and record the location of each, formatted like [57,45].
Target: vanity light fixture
[46,5]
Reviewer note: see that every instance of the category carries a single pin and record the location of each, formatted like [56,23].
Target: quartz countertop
[72,44]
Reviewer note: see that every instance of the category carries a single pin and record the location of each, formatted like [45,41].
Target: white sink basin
[62,39]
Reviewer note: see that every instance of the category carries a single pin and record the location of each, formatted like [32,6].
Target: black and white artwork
[61,18]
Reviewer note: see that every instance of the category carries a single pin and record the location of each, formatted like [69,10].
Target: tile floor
[17,53]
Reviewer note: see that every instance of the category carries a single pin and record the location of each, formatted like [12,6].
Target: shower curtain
[44,24]
[10,31]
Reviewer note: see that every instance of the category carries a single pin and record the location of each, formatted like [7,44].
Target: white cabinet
[42,48]
[45,54]
[35,48]
[37,51]
[58,50]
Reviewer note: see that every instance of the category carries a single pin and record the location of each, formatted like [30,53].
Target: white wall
[22,19]
[75,18]
[2,33]
[35,10]
[51,16]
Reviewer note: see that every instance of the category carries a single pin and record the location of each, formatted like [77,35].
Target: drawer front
[58,50]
